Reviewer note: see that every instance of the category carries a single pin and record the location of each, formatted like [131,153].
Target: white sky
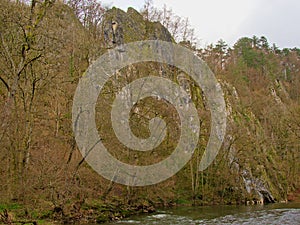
[278,20]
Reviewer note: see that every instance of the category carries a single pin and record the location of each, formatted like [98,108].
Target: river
[256,214]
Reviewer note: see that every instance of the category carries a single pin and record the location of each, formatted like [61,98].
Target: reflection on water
[268,214]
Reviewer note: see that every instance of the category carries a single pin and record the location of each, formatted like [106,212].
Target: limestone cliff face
[251,156]
[121,27]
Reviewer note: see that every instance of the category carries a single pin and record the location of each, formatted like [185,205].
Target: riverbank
[78,212]
[91,211]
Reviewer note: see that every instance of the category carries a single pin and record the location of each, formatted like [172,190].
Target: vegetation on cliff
[46,46]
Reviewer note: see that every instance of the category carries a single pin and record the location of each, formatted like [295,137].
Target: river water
[258,214]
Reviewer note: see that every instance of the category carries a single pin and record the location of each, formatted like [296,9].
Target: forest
[46,46]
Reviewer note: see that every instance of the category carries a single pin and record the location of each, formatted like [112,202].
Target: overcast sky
[278,20]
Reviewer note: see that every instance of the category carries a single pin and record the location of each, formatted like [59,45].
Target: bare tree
[180,28]
[90,14]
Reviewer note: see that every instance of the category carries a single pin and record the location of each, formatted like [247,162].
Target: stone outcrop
[121,27]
